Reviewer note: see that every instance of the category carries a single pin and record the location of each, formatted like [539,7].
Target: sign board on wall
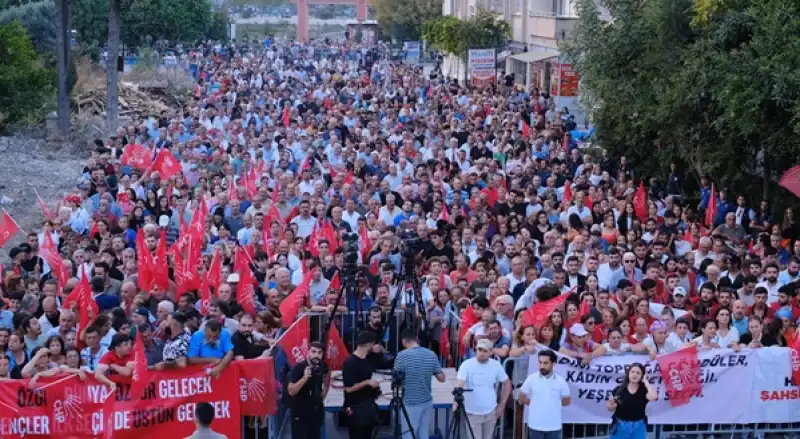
[481,67]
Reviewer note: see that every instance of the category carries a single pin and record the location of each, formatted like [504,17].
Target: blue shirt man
[417,365]
[212,345]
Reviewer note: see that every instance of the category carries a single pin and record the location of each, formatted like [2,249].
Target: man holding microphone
[418,365]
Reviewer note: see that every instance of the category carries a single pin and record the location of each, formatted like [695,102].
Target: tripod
[459,413]
[397,408]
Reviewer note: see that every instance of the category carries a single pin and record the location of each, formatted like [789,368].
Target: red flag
[166,164]
[215,270]
[336,282]
[139,373]
[565,142]
[49,253]
[252,178]
[295,341]
[94,230]
[374,265]
[160,266]
[790,180]
[640,202]
[348,178]
[444,345]
[365,242]
[794,356]
[291,304]
[144,277]
[285,117]
[680,372]
[245,290]
[567,193]
[205,295]
[526,129]
[336,352]
[8,228]
[137,156]
[445,215]
[45,210]
[185,271]
[306,163]
[585,309]
[711,209]
[468,319]
[538,314]
[232,188]
[81,296]
[257,389]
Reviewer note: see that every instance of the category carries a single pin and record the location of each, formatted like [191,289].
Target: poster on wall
[570,80]
[481,67]
[555,74]
[413,49]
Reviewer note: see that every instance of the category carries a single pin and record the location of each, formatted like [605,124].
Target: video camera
[398,378]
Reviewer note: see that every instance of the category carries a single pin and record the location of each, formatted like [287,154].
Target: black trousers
[359,432]
[307,425]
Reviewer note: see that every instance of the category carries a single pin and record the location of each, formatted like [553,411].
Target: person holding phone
[629,404]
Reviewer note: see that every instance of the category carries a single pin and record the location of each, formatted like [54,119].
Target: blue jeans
[420,417]
[536,434]
[629,430]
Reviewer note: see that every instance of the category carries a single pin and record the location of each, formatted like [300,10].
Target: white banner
[751,386]
[481,66]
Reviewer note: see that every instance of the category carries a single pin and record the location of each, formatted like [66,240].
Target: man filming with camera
[479,376]
[308,386]
[417,365]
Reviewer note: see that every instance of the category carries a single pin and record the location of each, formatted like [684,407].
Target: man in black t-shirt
[360,390]
[308,386]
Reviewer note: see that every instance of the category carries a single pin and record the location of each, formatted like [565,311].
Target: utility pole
[63,43]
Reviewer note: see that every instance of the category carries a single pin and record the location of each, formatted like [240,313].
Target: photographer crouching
[309,382]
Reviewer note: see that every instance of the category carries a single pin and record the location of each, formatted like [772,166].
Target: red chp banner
[66,407]
[680,371]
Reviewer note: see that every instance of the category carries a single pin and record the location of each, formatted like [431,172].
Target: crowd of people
[286,148]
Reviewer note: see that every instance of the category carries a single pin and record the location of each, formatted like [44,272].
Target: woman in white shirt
[727,334]
[707,339]
[616,345]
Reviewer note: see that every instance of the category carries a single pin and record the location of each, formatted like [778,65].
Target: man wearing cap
[480,376]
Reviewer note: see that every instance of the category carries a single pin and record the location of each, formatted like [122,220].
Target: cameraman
[417,364]
[308,386]
[360,390]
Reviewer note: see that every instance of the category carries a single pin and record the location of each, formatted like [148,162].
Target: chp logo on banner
[680,372]
[137,156]
[257,387]
[794,360]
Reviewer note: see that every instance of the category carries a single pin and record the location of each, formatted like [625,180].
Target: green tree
[454,37]
[25,85]
[715,84]
[403,19]
[39,20]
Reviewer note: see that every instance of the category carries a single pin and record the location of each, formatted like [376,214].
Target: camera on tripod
[398,378]
[350,246]
[458,394]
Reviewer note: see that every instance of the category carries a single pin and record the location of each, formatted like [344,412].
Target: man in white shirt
[351,215]
[770,283]
[480,375]
[305,222]
[549,392]
[517,274]
[388,212]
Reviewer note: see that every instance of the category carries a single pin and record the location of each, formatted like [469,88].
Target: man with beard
[786,295]
[549,392]
[308,386]
[245,346]
[378,355]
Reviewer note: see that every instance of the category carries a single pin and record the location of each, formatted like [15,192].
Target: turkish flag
[794,355]
[8,228]
[640,202]
[166,164]
[137,156]
[468,319]
[680,371]
[336,351]
[257,389]
[295,341]
[711,209]
[245,291]
[291,304]
[790,180]
[538,314]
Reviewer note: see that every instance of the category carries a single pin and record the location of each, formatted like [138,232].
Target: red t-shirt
[111,357]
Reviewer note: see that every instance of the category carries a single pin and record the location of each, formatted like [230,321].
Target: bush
[25,86]
[39,20]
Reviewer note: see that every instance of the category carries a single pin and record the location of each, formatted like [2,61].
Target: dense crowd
[285,148]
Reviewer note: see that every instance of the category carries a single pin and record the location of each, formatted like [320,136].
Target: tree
[713,84]
[454,37]
[39,20]
[25,85]
[112,74]
[403,19]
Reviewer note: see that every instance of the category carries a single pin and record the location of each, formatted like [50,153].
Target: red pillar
[361,10]
[302,21]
